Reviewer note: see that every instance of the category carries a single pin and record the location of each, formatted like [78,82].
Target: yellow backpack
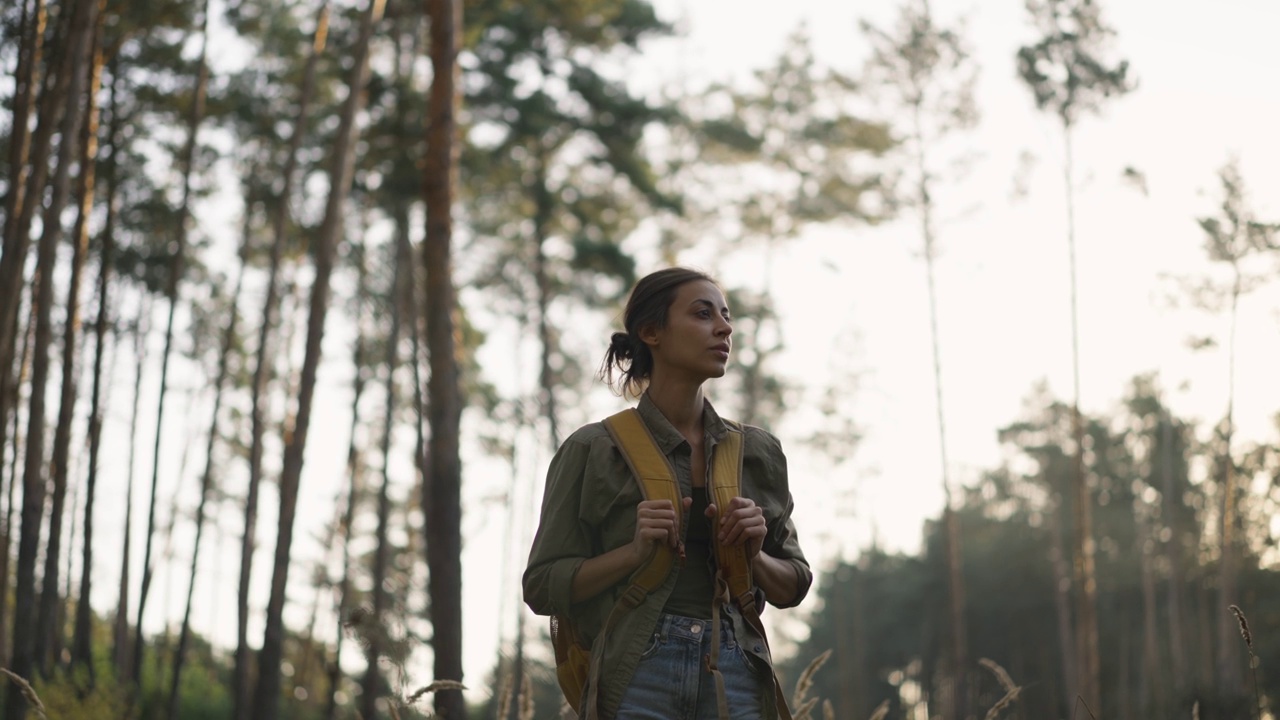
[657,478]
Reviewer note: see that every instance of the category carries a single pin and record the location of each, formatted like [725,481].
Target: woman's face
[696,339]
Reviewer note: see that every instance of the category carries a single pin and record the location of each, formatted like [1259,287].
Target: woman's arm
[743,523]
[777,578]
[656,522]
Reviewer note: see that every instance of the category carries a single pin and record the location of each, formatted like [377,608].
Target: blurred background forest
[298,297]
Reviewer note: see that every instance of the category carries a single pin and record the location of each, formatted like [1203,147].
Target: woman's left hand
[742,523]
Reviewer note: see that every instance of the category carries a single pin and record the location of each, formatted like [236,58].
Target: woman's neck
[681,403]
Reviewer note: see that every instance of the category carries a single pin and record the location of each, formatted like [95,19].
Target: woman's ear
[649,335]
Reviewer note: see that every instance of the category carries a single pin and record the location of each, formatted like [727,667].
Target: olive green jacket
[589,508]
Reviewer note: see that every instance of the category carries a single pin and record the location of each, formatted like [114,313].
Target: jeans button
[695,628]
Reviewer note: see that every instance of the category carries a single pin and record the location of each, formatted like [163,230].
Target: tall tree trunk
[1153,699]
[177,266]
[240,690]
[355,467]
[1085,576]
[207,482]
[122,649]
[266,695]
[17,221]
[1229,675]
[25,637]
[374,686]
[48,623]
[26,81]
[6,540]
[1177,584]
[1062,599]
[546,376]
[954,547]
[26,77]
[443,511]
[82,641]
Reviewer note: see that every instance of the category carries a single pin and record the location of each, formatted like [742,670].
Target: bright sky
[1206,91]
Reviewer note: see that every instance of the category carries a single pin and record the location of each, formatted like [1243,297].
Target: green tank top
[695,585]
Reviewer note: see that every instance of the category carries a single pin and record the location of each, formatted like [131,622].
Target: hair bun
[620,345]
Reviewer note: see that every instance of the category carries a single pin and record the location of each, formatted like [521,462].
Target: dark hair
[627,355]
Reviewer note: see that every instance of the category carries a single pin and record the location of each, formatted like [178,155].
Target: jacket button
[695,628]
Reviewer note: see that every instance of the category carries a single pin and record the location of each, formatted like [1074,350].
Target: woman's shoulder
[757,439]
[588,434]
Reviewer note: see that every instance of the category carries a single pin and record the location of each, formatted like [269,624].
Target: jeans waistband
[693,629]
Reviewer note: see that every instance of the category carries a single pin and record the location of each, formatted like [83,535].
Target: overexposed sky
[1207,91]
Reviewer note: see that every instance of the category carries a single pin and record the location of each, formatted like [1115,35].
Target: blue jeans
[672,681]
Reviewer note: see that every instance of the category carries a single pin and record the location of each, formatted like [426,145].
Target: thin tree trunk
[1153,700]
[266,695]
[26,77]
[955,551]
[442,498]
[354,472]
[123,654]
[176,268]
[51,604]
[26,639]
[374,686]
[1177,580]
[17,221]
[303,676]
[240,691]
[1229,676]
[207,482]
[26,81]
[546,376]
[1062,599]
[82,642]
[1087,654]
[6,541]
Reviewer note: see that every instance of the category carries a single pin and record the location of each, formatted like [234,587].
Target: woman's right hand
[656,522]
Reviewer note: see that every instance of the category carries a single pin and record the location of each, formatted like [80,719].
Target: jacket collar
[666,435]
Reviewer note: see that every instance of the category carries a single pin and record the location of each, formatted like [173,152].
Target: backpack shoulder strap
[725,481]
[733,580]
[657,481]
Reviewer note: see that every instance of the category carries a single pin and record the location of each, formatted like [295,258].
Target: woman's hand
[742,523]
[656,522]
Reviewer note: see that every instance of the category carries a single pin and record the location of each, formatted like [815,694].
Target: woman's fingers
[742,522]
[656,521]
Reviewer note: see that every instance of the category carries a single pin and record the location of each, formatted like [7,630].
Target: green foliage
[1067,69]
[886,615]
[73,696]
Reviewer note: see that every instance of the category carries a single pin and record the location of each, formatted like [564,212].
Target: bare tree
[48,623]
[1233,239]
[207,479]
[177,265]
[355,473]
[26,81]
[240,687]
[1068,77]
[266,695]
[26,638]
[441,497]
[82,640]
[927,70]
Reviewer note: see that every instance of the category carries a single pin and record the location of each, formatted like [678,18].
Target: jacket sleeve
[781,541]
[563,541]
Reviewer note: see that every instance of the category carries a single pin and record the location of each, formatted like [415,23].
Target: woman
[596,529]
